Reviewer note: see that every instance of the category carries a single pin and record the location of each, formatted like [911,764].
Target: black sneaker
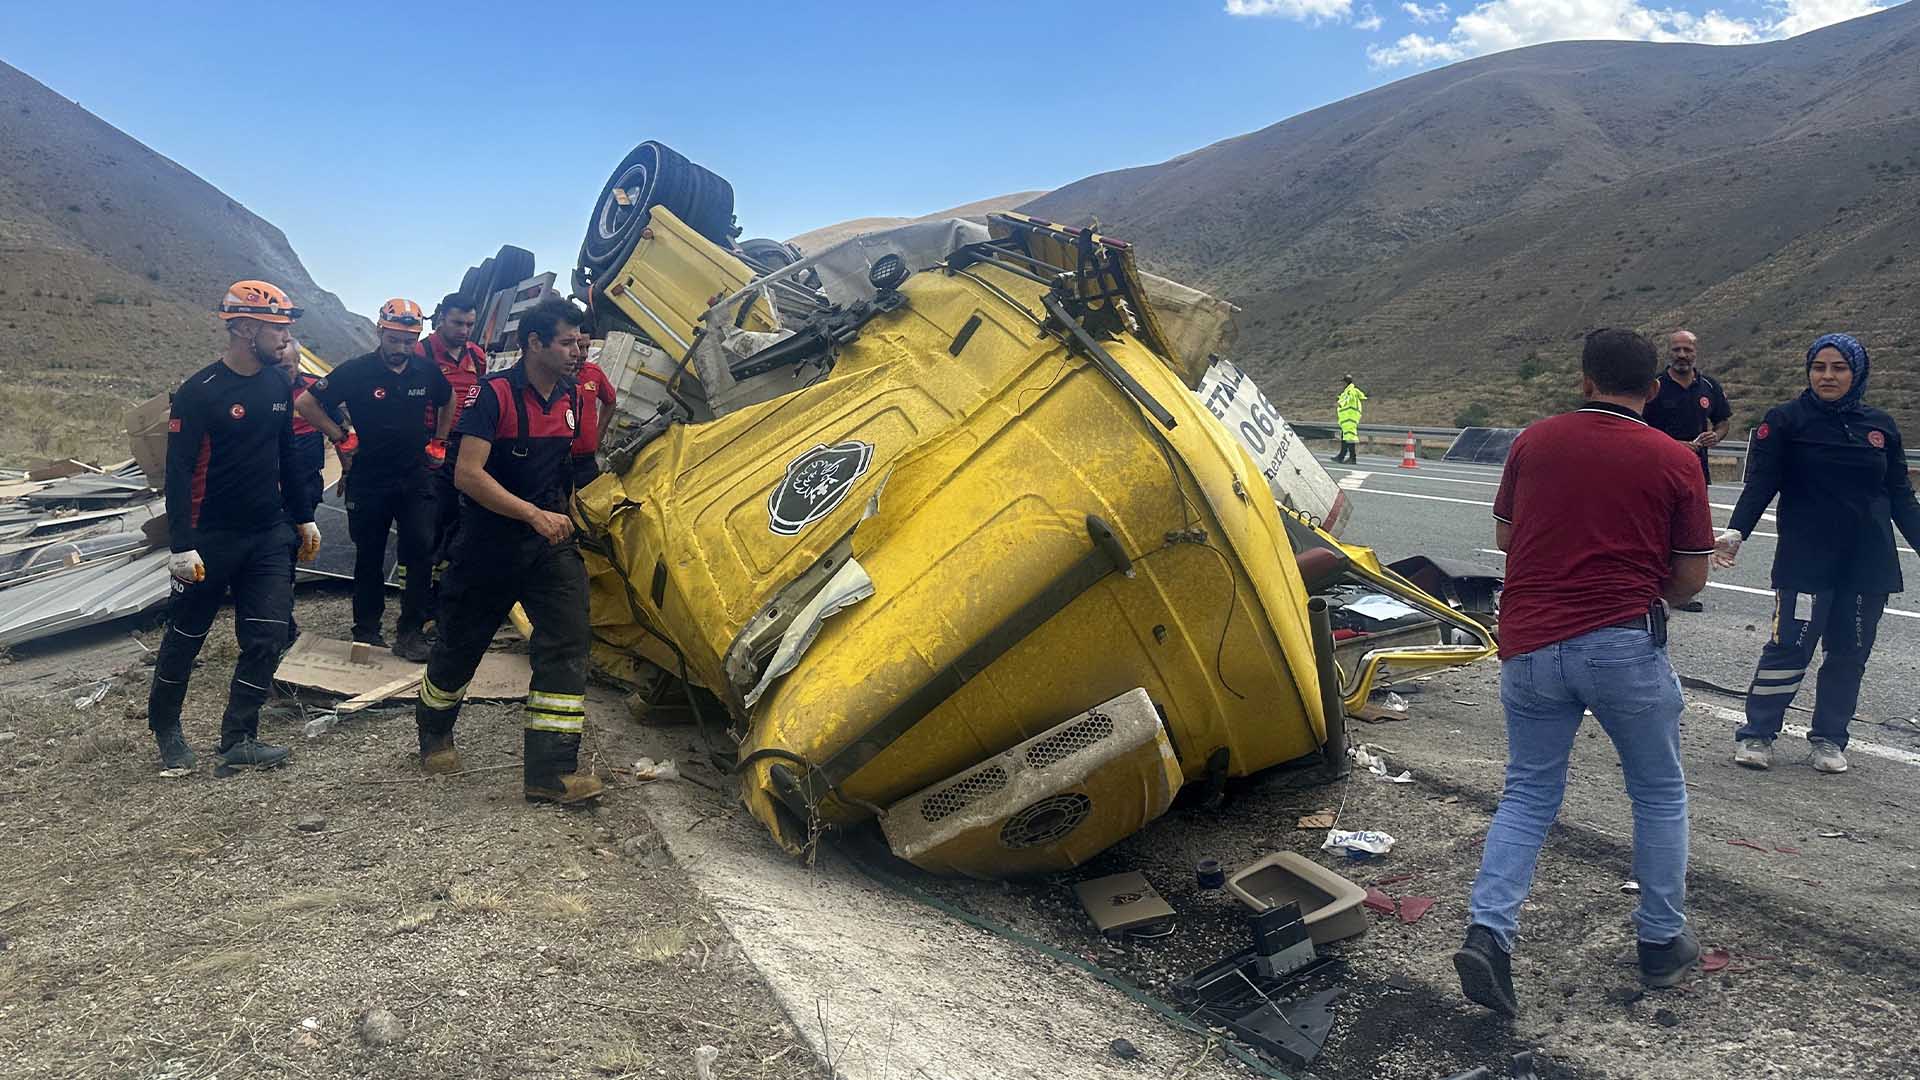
[1486,974]
[1691,605]
[412,647]
[174,751]
[251,753]
[1667,965]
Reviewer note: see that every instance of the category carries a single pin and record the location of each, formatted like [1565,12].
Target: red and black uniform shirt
[388,409]
[596,393]
[1599,504]
[532,445]
[230,455]
[463,371]
[310,446]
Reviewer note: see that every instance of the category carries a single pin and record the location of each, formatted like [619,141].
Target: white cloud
[1425,14]
[1299,10]
[1498,25]
[1369,19]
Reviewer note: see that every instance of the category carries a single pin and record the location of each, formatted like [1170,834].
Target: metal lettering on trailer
[815,483]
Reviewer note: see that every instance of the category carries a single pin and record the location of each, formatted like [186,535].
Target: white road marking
[1723,585]
[1430,498]
[1854,746]
[1352,481]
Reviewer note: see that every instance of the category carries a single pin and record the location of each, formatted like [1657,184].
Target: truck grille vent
[1060,746]
[958,796]
[1046,821]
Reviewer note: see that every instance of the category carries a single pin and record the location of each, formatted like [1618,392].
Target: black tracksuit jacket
[1841,474]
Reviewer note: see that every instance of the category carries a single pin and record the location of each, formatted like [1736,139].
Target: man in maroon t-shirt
[1604,520]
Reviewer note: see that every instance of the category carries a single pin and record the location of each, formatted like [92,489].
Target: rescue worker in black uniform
[309,446]
[237,515]
[1841,473]
[387,394]
[515,545]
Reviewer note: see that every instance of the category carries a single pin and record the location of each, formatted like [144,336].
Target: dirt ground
[197,927]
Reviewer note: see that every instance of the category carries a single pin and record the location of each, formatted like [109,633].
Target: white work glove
[186,567]
[1726,546]
[309,540]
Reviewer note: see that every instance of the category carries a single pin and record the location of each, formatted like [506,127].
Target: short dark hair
[453,302]
[1619,361]
[543,320]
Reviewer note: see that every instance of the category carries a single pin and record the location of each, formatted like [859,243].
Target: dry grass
[471,900]
[563,905]
[222,965]
[660,946]
[416,920]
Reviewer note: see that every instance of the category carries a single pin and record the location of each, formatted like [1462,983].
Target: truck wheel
[652,175]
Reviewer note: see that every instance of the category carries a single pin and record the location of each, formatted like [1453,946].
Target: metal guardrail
[1731,448]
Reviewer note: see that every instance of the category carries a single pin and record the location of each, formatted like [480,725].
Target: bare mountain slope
[1447,237]
[111,259]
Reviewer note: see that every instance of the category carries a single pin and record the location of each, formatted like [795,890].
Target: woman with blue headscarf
[1841,473]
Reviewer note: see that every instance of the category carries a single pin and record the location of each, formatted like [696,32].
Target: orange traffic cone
[1407,459]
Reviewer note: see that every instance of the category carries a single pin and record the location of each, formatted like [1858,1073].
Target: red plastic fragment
[1787,850]
[1412,907]
[1715,959]
[1750,844]
[1379,902]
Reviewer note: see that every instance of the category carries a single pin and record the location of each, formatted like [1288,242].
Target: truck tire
[511,266]
[469,284]
[653,175]
[482,284]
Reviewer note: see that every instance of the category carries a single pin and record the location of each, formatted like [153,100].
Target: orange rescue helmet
[258,300]
[401,314]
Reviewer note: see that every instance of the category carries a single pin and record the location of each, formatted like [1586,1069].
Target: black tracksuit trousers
[375,505]
[481,585]
[256,567]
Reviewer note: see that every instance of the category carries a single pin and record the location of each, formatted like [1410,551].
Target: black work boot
[1667,965]
[1486,974]
[411,646]
[551,770]
[369,637]
[174,751]
[251,753]
[438,755]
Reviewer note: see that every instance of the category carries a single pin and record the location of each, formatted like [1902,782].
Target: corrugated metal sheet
[83,596]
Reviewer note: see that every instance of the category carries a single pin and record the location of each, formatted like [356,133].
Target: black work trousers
[446,513]
[376,504]
[480,586]
[256,567]
[1848,622]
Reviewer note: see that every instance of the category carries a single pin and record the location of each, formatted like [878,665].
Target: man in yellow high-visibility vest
[1348,410]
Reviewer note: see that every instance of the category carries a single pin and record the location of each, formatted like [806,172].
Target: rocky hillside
[1449,237]
[111,259]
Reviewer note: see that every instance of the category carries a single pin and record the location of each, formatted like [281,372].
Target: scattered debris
[1122,902]
[1714,960]
[1750,844]
[1123,1050]
[325,664]
[1208,874]
[647,770]
[1242,993]
[1832,834]
[1366,842]
[1379,901]
[1413,907]
[1630,886]
[1666,1018]
[1325,819]
[379,1027]
[703,1059]
[1331,902]
[311,823]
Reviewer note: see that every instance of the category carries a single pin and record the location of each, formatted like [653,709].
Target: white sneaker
[1827,757]
[1758,754]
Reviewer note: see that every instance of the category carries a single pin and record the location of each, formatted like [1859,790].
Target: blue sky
[396,144]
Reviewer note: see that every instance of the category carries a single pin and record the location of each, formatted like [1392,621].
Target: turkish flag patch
[238,411]
[1877,440]
[379,393]
[173,426]
[1706,402]
[1760,432]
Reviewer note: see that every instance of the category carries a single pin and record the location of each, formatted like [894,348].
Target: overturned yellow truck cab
[941,522]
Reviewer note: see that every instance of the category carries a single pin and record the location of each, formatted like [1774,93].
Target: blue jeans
[1625,680]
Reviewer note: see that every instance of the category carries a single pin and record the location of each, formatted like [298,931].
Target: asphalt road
[1444,509]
